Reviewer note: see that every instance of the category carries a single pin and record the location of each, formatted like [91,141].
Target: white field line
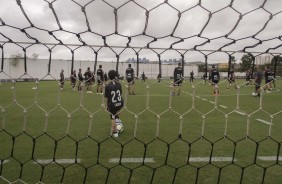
[59,161]
[204,99]
[198,97]
[270,158]
[5,161]
[131,160]
[212,102]
[263,121]
[213,159]
[239,112]
[223,106]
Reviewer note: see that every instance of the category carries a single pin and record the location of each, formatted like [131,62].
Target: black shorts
[62,82]
[257,85]
[87,82]
[231,80]
[215,82]
[268,81]
[131,81]
[114,108]
[177,82]
[100,82]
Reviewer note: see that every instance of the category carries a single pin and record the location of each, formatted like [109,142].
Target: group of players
[214,78]
[88,77]
[113,88]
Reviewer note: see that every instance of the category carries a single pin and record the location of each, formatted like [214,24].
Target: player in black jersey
[105,77]
[113,99]
[100,80]
[73,78]
[231,78]
[88,80]
[178,77]
[191,77]
[258,80]
[143,77]
[62,80]
[80,80]
[248,77]
[129,74]
[269,78]
[214,80]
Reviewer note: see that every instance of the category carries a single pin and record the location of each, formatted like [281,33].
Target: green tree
[278,69]
[278,58]
[247,60]
[233,60]
[202,68]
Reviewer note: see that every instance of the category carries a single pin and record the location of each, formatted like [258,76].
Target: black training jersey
[87,75]
[214,75]
[62,77]
[129,73]
[113,92]
[259,77]
[80,77]
[73,78]
[178,73]
[268,75]
[230,74]
[143,76]
[100,75]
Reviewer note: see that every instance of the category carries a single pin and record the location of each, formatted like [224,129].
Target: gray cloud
[131,21]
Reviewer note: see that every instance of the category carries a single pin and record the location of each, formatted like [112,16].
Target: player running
[248,78]
[231,78]
[258,79]
[214,80]
[178,77]
[100,80]
[113,100]
[269,78]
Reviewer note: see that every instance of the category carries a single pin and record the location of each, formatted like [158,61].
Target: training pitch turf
[57,136]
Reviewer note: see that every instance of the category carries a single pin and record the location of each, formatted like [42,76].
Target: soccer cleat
[115,134]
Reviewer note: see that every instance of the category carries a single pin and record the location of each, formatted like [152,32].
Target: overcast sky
[131,19]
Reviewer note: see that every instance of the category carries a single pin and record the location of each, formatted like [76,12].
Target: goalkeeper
[113,100]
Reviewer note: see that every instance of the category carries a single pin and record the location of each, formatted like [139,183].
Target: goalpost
[50,135]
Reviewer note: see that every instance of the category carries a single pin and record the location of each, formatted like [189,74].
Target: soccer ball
[254,94]
[119,126]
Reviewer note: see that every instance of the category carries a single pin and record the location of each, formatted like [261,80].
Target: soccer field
[53,136]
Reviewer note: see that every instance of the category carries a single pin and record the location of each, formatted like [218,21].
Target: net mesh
[45,141]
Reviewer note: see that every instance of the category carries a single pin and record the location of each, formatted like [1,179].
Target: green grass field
[232,138]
